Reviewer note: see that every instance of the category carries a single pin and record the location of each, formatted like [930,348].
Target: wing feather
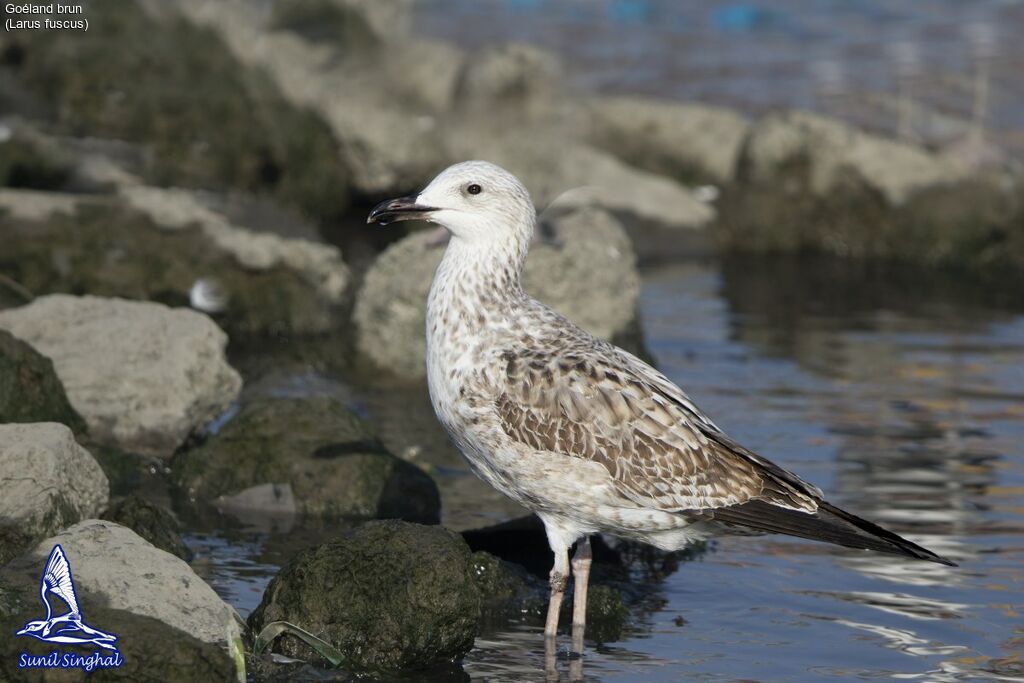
[57,578]
[592,400]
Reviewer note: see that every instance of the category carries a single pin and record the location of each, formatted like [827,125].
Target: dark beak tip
[400,209]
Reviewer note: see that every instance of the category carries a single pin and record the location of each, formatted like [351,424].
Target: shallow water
[849,58]
[902,398]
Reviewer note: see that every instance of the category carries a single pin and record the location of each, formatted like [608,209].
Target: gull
[67,628]
[587,436]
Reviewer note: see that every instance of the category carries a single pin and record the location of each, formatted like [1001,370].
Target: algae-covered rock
[161,245]
[235,132]
[150,521]
[607,613]
[807,183]
[150,649]
[507,591]
[167,365]
[30,390]
[389,595]
[47,481]
[589,276]
[326,456]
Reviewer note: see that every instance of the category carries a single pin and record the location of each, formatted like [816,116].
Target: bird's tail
[828,524]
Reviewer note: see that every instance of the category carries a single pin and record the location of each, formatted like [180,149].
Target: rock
[28,160]
[29,388]
[151,522]
[384,148]
[607,614]
[240,133]
[144,376]
[114,567]
[807,182]
[511,81]
[834,153]
[47,481]
[165,245]
[151,650]
[14,541]
[692,143]
[590,277]
[312,453]
[420,577]
[507,591]
[558,171]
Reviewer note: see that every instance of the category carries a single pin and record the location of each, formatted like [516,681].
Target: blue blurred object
[741,17]
[629,11]
[523,5]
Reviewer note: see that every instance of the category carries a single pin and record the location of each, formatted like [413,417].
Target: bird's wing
[592,400]
[57,578]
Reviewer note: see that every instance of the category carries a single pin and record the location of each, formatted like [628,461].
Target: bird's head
[32,628]
[475,200]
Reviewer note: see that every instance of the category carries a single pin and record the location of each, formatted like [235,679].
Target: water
[850,59]
[901,395]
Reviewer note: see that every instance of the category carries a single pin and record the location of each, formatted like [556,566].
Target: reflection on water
[902,398]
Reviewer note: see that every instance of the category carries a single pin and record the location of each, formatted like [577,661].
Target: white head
[476,201]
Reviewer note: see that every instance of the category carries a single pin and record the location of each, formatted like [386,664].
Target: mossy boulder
[108,248]
[388,595]
[806,183]
[150,521]
[30,390]
[507,591]
[149,77]
[326,455]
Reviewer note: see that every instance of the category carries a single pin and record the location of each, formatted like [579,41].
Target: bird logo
[67,628]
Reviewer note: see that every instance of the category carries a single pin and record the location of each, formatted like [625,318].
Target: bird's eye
[474,189]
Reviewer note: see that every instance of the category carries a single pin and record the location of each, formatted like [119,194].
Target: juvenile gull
[586,435]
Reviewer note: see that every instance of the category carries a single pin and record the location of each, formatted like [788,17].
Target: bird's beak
[401,209]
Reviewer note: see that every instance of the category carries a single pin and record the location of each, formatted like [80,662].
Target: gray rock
[47,481]
[386,148]
[167,245]
[806,182]
[833,152]
[112,565]
[389,595]
[555,169]
[311,456]
[143,375]
[511,81]
[693,143]
[590,277]
[29,388]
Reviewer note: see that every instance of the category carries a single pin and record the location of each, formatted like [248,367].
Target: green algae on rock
[152,78]
[326,455]
[30,390]
[150,521]
[389,595]
[109,249]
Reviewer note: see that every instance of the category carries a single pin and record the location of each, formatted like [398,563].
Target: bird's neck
[475,283]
